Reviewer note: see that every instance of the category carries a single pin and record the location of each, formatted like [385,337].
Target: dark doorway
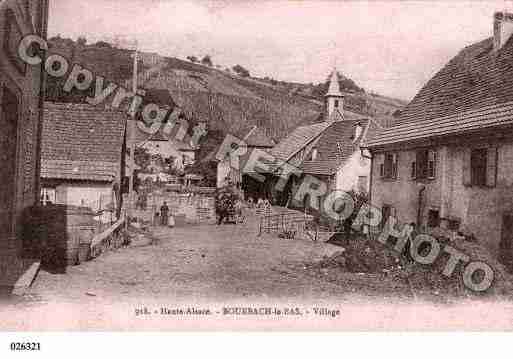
[386,211]
[8,141]
[433,218]
[506,244]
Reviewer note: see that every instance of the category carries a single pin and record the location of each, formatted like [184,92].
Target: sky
[392,48]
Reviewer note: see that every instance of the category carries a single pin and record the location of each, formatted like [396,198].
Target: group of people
[228,207]
[263,206]
[260,203]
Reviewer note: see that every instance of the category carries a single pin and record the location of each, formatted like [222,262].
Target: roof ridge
[81,107]
[488,108]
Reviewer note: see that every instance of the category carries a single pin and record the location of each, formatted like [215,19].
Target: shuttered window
[425,164]
[421,158]
[431,164]
[381,164]
[388,169]
[480,167]
[413,170]
[491,167]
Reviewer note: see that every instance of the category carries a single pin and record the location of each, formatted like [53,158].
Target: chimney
[502,29]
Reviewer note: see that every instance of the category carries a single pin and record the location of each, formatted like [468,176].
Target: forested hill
[229,99]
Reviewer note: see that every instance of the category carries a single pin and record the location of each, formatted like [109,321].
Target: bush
[206,60]
[241,71]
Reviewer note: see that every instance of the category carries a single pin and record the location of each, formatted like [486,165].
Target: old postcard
[255,165]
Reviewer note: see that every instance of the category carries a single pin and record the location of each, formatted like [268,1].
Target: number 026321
[25,346]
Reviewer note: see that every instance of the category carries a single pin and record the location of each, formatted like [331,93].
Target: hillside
[228,102]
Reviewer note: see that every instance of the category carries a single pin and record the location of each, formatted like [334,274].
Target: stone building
[448,162]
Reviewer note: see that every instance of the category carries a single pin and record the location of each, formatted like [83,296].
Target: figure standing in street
[164,213]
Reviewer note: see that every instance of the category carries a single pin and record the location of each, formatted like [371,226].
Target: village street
[214,267]
[204,262]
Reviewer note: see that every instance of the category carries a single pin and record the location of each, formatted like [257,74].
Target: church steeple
[334,98]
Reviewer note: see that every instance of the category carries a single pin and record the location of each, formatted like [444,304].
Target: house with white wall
[448,162]
[329,150]
[82,155]
[183,151]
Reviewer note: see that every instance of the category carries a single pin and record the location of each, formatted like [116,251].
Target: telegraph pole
[131,135]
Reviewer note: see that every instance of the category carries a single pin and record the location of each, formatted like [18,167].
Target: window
[433,218]
[431,164]
[388,169]
[48,196]
[425,165]
[478,166]
[336,103]
[454,224]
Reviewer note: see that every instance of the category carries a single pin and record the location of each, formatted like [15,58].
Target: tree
[81,41]
[206,60]
[142,158]
[192,58]
[241,71]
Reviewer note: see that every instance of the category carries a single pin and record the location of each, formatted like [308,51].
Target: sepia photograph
[248,165]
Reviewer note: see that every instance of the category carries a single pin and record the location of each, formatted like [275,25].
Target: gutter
[419,209]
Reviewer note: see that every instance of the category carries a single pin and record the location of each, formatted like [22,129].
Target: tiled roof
[335,145]
[460,123]
[81,142]
[298,139]
[79,170]
[159,96]
[320,167]
[257,137]
[477,77]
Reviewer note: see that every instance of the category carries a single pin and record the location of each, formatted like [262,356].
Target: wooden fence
[112,238]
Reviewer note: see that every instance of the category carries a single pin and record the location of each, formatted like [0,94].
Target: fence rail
[107,239]
[296,224]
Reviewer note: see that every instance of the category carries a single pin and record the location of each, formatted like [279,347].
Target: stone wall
[55,233]
[197,208]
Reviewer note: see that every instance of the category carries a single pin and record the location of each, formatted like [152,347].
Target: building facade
[329,150]
[448,162]
[21,92]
